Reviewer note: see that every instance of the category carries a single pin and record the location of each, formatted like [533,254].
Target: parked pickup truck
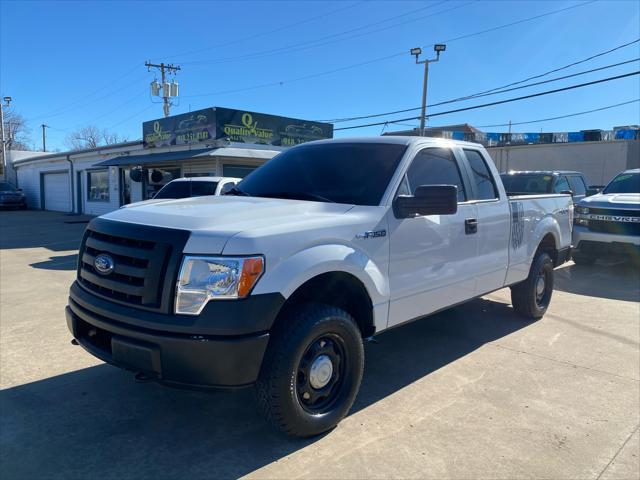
[608,224]
[277,283]
[546,181]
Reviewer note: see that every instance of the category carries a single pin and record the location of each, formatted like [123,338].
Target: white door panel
[493,245]
[56,192]
[431,263]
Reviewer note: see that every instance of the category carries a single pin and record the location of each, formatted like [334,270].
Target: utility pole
[7,102]
[44,137]
[168,89]
[439,47]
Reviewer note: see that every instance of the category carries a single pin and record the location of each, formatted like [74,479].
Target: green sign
[250,127]
[187,128]
[205,126]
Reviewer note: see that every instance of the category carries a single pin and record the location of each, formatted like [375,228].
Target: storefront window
[98,186]
[158,178]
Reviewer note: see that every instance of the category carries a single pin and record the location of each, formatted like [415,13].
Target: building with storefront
[213,142]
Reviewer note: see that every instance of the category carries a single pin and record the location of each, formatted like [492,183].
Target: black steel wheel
[312,370]
[531,298]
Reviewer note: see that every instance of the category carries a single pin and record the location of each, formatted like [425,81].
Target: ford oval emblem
[104,264]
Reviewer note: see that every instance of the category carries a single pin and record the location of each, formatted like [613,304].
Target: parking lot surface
[473,392]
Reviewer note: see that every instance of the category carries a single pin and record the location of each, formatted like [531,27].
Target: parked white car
[278,283]
[187,187]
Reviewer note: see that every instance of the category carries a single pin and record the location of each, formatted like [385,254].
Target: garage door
[56,192]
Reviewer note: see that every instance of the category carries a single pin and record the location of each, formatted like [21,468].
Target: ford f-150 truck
[608,224]
[277,283]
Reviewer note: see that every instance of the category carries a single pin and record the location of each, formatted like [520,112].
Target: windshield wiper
[236,191]
[297,196]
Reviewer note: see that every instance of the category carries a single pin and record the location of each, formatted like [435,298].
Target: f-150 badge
[372,234]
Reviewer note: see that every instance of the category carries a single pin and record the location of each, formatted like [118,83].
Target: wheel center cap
[540,286]
[321,371]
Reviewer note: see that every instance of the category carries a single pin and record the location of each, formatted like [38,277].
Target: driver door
[432,257]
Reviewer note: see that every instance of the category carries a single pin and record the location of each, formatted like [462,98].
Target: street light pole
[417,51]
[7,101]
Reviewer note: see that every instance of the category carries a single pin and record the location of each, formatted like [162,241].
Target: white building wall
[29,179]
[598,161]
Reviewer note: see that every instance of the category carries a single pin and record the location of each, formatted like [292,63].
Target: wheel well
[338,289]
[548,245]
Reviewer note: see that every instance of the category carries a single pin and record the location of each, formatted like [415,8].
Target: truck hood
[629,201]
[213,220]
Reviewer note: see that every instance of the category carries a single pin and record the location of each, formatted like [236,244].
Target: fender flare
[288,275]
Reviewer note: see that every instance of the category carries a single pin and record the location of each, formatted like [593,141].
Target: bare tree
[91,137]
[16,133]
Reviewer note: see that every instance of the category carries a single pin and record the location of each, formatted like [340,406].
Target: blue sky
[70,64]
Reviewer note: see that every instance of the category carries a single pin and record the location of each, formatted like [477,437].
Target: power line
[374,60]
[314,43]
[562,116]
[486,94]
[72,104]
[499,102]
[565,66]
[269,32]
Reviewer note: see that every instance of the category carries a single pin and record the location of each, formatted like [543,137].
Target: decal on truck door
[517,224]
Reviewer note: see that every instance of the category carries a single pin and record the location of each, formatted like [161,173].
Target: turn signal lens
[252,268]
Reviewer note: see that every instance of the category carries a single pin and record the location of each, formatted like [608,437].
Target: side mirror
[427,200]
[567,192]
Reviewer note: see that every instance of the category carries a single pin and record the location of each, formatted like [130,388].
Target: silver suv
[608,224]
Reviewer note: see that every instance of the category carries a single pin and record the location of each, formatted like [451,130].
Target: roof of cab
[204,179]
[541,172]
[397,140]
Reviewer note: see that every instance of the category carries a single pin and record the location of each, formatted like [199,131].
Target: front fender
[292,272]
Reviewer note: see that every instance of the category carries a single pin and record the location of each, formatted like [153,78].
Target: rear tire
[531,297]
[583,259]
[312,370]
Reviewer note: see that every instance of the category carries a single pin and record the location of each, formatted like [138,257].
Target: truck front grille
[609,226]
[144,271]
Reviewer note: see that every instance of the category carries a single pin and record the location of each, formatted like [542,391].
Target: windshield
[185,189]
[624,183]
[6,187]
[351,173]
[534,183]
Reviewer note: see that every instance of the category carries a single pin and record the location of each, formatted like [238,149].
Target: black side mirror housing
[427,200]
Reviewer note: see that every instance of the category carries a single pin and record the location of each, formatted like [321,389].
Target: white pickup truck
[278,283]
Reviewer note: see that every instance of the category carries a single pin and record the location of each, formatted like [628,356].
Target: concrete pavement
[473,392]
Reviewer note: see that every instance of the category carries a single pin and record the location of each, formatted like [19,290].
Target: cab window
[577,185]
[482,177]
[561,185]
[435,166]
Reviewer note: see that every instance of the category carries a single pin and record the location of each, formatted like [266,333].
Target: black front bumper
[181,350]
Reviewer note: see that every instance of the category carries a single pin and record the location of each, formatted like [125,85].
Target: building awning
[134,160]
[168,157]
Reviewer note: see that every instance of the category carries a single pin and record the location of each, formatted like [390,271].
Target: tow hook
[141,377]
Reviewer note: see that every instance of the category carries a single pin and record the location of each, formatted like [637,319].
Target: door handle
[471,226]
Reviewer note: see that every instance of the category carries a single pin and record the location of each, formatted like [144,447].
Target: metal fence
[490,139]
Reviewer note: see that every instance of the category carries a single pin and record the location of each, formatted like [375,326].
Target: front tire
[531,297]
[312,370]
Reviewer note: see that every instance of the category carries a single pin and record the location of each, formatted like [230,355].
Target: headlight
[582,210]
[215,278]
